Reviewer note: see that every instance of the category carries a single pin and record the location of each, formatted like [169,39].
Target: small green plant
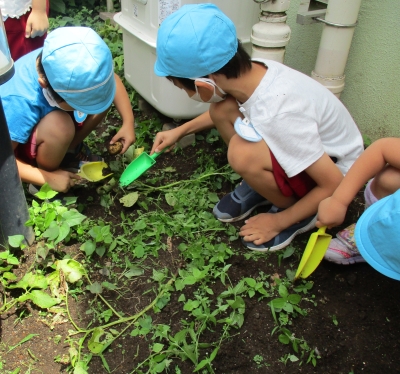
[259,360]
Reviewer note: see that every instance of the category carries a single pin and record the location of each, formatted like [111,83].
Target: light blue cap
[79,67]
[377,235]
[196,40]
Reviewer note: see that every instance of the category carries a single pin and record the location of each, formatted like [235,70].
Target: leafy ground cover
[144,279]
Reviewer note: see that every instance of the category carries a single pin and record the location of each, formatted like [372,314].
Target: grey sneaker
[238,204]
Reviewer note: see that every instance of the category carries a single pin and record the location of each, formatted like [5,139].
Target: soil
[363,303]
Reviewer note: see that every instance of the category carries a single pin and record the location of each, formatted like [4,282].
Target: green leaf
[40,298]
[213,197]
[101,250]
[64,231]
[283,291]
[250,281]
[46,192]
[139,251]
[284,339]
[171,199]
[129,199]
[278,303]
[31,280]
[237,303]
[16,241]
[157,347]
[134,271]
[52,232]
[88,247]
[288,252]
[72,217]
[294,298]
[95,288]
[72,269]
[80,367]
[9,276]
[158,276]
[109,285]
[94,344]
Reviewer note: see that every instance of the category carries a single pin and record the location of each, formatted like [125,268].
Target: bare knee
[386,182]
[53,136]
[240,155]
[56,127]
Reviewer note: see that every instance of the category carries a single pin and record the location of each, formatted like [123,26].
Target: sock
[369,197]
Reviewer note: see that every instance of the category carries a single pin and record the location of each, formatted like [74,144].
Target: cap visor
[364,245]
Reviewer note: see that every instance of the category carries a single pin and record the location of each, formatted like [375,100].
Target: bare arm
[168,138]
[327,177]
[332,211]
[59,180]
[121,101]
[37,23]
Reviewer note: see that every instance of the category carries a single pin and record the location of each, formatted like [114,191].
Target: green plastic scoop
[137,167]
[314,252]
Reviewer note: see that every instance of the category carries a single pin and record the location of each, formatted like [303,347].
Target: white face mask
[49,98]
[215,98]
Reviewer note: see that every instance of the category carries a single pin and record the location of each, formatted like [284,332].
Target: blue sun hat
[377,235]
[194,41]
[79,67]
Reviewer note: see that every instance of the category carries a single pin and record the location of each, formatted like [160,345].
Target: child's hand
[37,24]
[61,180]
[331,212]
[126,135]
[164,139]
[261,228]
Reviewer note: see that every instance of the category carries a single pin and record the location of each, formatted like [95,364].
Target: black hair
[43,75]
[239,64]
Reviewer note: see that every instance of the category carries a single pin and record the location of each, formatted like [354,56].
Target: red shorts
[297,186]
[15,30]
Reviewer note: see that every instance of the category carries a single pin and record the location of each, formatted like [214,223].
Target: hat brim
[157,71]
[365,246]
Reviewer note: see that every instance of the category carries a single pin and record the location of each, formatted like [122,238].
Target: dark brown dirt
[364,303]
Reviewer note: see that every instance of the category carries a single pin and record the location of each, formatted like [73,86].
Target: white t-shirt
[300,119]
[15,8]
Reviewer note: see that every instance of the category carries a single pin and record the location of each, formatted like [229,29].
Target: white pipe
[340,20]
[271,35]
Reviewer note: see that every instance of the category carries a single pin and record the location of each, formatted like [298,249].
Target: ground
[351,319]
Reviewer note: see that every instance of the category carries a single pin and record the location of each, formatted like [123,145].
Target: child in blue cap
[73,72]
[289,137]
[381,162]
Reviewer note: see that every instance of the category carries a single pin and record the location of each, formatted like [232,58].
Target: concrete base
[108,15]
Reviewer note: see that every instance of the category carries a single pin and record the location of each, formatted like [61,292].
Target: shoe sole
[284,244]
[346,261]
[244,215]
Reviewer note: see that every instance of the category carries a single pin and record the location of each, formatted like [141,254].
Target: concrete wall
[372,90]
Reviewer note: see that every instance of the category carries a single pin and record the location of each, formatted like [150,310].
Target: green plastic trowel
[314,252]
[137,167]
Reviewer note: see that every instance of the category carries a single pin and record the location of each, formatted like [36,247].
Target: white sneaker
[342,254]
